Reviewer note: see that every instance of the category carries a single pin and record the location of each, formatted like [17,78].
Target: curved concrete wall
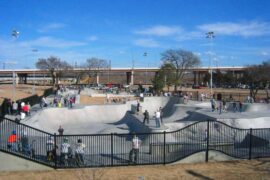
[200,157]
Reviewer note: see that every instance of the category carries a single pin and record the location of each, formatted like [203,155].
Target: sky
[121,31]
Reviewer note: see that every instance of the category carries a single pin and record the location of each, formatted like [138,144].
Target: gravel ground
[254,169]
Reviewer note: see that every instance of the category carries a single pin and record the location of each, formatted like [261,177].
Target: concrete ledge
[14,163]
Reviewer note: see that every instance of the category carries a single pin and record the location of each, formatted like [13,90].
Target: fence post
[55,158]
[111,149]
[250,144]
[164,148]
[207,142]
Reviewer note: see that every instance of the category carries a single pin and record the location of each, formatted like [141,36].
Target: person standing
[9,106]
[224,106]
[213,104]
[240,106]
[138,107]
[141,97]
[79,152]
[157,118]
[51,149]
[220,107]
[61,131]
[65,151]
[12,141]
[161,114]
[146,117]
[15,108]
[25,144]
[234,107]
[136,142]
[19,107]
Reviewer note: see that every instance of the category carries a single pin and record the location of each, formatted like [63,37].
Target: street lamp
[146,74]
[34,87]
[15,35]
[210,35]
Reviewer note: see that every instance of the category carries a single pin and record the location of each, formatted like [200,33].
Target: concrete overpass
[115,75]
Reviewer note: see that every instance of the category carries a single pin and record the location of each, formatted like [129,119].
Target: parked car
[196,86]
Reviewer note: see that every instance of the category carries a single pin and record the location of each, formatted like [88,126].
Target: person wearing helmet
[13,141]
[79,152]
[51,149]
[65,150]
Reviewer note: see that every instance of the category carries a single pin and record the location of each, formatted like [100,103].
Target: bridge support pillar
[21,78]
[97,78]
[195,77]
[130,77]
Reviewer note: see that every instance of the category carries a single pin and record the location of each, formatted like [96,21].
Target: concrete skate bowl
[85,120]
[250,107]
[105,118]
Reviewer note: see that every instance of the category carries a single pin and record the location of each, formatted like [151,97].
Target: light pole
[14,34]
[146,74]
[34,87]
[109,68]
[210,35]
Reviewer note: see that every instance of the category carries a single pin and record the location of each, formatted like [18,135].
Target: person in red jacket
[25,109]
[12,141]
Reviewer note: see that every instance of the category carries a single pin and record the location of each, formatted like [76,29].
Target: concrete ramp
[151,104]
[14,163]
[251,107]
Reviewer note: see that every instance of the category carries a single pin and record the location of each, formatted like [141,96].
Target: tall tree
[164,77]
[95,65]
[181,60]
[54,65]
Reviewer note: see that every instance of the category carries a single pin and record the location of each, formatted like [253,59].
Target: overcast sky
[122,30]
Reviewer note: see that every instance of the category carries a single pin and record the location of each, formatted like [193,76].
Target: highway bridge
[113,75]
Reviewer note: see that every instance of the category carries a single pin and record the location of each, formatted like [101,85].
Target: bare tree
[181,60]
[258,77]
[95,65]
[55,66]
[79,72]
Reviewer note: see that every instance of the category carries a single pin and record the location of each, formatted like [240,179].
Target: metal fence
[115,149]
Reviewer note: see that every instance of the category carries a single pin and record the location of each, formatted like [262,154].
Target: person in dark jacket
[146,117]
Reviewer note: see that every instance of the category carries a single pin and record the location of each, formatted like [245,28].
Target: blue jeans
[157,122]
[13,146]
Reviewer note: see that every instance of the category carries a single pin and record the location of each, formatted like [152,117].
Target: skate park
[117,117]
[110,126]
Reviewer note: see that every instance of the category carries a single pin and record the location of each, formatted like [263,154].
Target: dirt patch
[254,169]
[22,91]
[102,100]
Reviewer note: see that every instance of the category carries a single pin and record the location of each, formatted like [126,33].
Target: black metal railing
[114,149]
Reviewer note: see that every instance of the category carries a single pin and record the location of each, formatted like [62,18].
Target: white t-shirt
[15,106]
[136,143]
[65,147]
[80,148]
[158,114]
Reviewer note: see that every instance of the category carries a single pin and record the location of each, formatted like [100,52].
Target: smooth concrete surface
[13,163]
[200,157]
